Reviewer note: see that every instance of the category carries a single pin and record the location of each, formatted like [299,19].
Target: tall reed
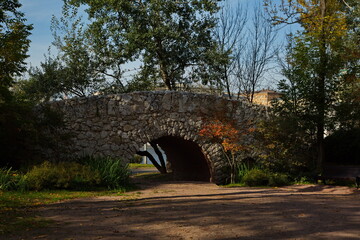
[114,173]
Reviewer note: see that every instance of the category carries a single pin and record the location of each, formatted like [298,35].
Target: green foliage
[242,170]
[91,173]
[168,37]
[142,82]
[14,44]
[259,177]
[114,173]
[139,165]
[256,177]
[320,67]
[7,179]
[136,159]
[278,179]
[73,72]
[19,123]
[16,125]
[304,73]
[64,175]
[304,180]
[67,75]
[12,180]
[285,146]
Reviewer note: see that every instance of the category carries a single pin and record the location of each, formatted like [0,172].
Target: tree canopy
[170,38]
[14,44]
[316,60]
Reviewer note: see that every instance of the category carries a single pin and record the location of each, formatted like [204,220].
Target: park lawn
[16,207]
[139,165]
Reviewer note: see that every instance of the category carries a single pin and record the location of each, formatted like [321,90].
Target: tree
[19,125]
[82,65]
[230,34]
[162,166]
[258,55]
[74,71]
[44,83]
[348,111]
[63,76]
[316,60]
[14,44]
[251,46]
[230,139]
[170,38]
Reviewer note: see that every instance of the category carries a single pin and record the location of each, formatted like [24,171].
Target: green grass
[139,165]
[15,207]
[233,185]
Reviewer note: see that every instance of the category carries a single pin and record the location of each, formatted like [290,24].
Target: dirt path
[190,210]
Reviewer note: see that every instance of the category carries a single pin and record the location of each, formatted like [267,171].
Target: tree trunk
[165,77]
[321,93]
[233,175]
[227,82]
[152,159]
[163,68]
[161,158]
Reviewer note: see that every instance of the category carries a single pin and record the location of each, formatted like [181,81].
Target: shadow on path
[191,210]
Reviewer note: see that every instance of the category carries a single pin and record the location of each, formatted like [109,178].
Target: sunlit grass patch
[139,165]
[233,185]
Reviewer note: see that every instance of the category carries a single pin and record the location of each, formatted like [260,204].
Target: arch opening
[185,159]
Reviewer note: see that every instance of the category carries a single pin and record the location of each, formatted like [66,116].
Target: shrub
[256,177]
[21,184]
[284,146]
[6,179]
[242,170]
[136,159]
[304,180]
[64,175]
[114,173]
[90,173]
[259,177]
[11,180]
[278,180]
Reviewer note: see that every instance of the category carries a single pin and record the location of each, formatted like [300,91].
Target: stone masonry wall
[118,125]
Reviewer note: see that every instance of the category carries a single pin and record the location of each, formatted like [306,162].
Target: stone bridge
[119,125]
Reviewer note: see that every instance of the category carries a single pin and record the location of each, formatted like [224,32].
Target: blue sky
[39,13]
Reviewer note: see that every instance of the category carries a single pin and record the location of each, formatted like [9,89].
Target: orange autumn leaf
[226,134]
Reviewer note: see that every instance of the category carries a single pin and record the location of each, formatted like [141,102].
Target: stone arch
[186,159]
[118,125]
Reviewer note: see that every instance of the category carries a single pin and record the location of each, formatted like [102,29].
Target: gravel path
[190,210]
